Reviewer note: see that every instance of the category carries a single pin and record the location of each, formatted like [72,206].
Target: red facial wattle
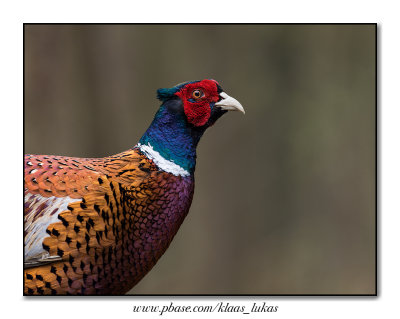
[198,110]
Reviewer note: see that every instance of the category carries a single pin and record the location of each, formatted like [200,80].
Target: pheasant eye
[197,94]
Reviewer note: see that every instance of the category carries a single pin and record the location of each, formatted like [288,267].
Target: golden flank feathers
[97,226]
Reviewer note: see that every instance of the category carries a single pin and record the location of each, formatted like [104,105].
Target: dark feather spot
[79,218]
[76,229]
[45,247]
[39,277]
[59,279]
[82,265]
[65,223]
[124,171]
[53,269]
[53,292]
[71,259]
[144,169]
[87,238]
[100,181]
[40,290]
[47,284]
[78,245]
[65,268]
[115,195]
[97,208]
[107,198]
[83,205]
[60,252]
[68,240]
[70,208]
[30,291]
[29,276]
[55,232]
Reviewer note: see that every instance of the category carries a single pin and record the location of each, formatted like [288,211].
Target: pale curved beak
[228,103]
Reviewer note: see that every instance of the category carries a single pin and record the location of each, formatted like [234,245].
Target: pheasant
[96,226]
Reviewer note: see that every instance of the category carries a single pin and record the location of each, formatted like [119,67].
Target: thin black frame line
[376,161]
[222,295]
[203,23]
[208,295]
[23,150]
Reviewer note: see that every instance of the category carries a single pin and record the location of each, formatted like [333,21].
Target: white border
[14,13]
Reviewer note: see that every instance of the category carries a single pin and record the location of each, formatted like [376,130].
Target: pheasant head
[187,110]
[203,102]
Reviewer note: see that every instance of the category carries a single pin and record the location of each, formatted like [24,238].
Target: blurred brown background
[285,195]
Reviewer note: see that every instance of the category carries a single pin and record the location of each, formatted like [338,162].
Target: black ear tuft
[165,94]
